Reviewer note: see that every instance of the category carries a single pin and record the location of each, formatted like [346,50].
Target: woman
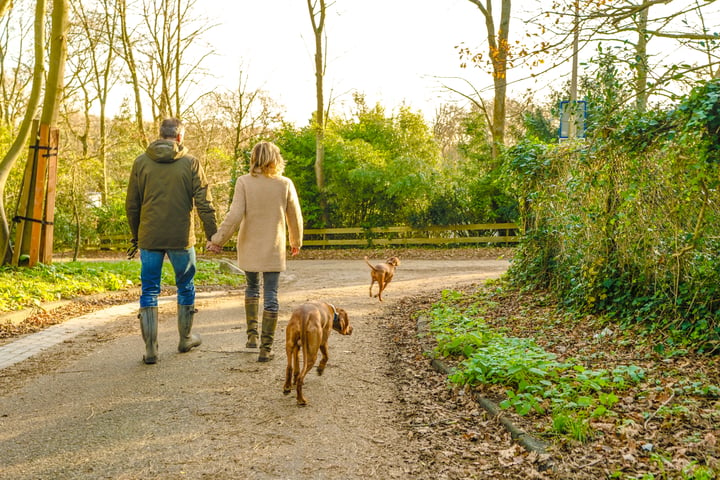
[264,203]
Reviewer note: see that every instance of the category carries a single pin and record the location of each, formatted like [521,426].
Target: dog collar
[336,318]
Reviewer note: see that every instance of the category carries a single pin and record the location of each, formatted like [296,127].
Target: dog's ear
[345,327]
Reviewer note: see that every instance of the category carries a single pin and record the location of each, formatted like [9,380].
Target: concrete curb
[527,441]
[20,316]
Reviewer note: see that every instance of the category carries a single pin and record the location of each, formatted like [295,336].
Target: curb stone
[527,441]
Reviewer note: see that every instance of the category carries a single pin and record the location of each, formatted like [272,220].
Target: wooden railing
[495,233]
[477,233]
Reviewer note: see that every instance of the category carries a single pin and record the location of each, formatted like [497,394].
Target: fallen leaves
[665,425]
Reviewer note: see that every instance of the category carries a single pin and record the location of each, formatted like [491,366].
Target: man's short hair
[171,128]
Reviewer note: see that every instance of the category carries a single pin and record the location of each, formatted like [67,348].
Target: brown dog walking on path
[382,273]
[309,329]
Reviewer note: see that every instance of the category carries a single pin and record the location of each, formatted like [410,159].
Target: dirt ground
[90,409]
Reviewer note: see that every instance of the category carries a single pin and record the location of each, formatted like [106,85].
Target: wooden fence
[477,233]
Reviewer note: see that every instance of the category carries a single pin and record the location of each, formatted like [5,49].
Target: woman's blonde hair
[266,160]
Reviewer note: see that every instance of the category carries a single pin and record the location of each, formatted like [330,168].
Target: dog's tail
[369,264]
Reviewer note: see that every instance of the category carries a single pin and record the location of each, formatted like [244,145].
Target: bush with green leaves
[625,224]
[386,169]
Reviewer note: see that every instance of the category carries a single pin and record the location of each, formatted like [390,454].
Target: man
[166,184]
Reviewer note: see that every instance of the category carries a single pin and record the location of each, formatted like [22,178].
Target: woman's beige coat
[261,209]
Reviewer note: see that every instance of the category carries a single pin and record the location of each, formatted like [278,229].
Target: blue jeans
[183,263]
[270,289]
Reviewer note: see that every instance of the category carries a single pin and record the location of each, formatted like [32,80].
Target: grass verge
[23,287]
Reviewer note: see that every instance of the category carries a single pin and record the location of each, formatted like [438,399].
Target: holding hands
[213,247]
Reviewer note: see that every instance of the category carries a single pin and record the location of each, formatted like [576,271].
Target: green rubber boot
[185,321]
[251,317]
[149,327]
[269,322]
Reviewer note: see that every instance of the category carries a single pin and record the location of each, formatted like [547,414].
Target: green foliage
[381,168]
[538,127]
[386,169]
[536,381]
[298,150]
[26,287]
[626,224]
[476,188]
[574,427]
[701,111]
[699,472]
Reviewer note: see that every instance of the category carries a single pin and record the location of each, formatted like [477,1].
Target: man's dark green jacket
[166,183]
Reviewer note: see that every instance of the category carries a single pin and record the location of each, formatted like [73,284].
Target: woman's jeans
[183,263]
[270,288]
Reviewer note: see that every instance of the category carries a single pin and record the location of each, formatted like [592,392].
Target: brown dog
[309,328]
[382,273]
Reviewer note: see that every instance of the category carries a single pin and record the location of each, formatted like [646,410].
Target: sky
[394,52]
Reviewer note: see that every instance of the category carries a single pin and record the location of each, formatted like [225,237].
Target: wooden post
[36,208]
[46,234]
[37,198]
[25,194]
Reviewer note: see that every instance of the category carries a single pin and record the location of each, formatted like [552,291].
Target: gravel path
[89,408]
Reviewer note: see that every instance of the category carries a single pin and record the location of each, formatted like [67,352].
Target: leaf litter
[666,426]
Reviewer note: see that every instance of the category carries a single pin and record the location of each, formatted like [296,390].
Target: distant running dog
[308,329]
[382,273]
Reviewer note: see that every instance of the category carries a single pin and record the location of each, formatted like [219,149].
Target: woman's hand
[294,251]
[213,247]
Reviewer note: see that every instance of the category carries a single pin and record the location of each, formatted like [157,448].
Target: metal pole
[572,127]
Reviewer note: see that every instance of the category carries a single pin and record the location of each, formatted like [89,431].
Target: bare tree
[99,29]
[498,50]
[317,9]
[248,113]
[15,76]
[172,27]
[634,26]
[128,54]
[226,124]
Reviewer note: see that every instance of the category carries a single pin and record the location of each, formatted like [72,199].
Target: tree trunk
[641,57]
[132,68]
[318,23]
[56,72]
[24,132]
[51,107]
[498,49]
[5,6]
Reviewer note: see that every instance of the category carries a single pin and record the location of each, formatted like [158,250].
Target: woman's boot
[251,317]
[149,327]
[269,322]
[185,321]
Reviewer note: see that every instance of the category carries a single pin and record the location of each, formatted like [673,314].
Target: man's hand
[213,247]
[132,249]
